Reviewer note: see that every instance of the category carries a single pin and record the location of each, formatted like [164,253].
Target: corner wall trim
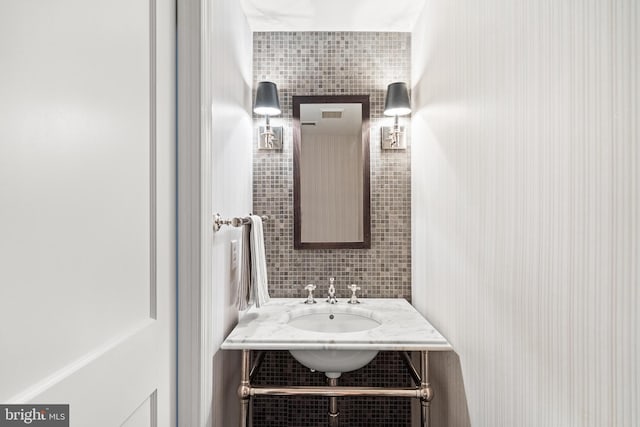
[194,331]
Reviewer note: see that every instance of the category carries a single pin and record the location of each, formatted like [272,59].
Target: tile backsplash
[335,63]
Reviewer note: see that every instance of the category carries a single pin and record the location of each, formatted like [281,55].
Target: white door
[87,234]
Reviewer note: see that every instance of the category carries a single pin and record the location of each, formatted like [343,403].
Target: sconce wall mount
[393,137]
[270,137]
[396,104]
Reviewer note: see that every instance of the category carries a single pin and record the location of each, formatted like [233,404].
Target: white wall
[526,208]
[215,169]
[231,155]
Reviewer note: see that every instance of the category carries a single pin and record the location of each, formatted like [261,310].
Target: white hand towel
[259,282]
[244,284]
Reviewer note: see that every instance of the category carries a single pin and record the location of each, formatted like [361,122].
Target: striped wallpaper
[526,207]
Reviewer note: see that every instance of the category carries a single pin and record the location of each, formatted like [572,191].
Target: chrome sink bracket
[415,376]
[257,363]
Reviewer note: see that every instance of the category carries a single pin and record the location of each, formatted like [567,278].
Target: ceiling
[332,15]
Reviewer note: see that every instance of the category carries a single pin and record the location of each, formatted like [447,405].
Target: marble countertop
[402,328]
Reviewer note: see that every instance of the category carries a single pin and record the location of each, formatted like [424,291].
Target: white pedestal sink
[333,320]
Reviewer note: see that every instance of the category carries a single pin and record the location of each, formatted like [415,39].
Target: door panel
[87,200]
[142,417]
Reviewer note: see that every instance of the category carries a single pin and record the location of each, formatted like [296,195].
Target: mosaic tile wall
[334,63]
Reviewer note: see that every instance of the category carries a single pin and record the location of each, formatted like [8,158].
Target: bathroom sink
[331,321]
[344,343]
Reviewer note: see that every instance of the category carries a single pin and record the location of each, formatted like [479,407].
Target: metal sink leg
[333,405]
[244,391]
[425,390]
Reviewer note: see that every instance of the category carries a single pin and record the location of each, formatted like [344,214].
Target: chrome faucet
[331,299]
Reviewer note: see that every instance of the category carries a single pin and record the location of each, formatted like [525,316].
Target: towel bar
[218,222]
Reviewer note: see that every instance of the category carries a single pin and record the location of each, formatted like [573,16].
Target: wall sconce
[396,104]
[268,104]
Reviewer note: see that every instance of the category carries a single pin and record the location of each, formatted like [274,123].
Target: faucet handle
[354,298]
[310,287]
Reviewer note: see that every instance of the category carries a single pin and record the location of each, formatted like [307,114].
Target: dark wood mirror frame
[297,141]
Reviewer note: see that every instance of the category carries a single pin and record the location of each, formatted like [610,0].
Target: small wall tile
[316,63]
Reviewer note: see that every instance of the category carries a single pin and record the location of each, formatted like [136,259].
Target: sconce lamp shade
[267,102]
[397,101]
